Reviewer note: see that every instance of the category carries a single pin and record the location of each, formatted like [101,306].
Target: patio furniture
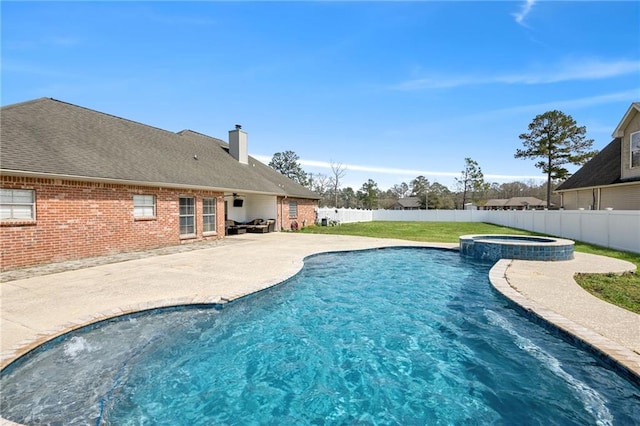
[260,226]
[234,228]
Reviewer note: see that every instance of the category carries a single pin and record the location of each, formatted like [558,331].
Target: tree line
[554,138]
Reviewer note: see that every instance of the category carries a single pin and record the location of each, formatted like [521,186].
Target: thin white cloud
[624,96]
[526,9]
[585,69]
[512,178]
[379,170]
[440,82]
[404,173]
[571,70]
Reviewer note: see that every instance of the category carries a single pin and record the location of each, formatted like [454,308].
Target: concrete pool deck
[40,303]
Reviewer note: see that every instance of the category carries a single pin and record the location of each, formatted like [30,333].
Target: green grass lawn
[623,291]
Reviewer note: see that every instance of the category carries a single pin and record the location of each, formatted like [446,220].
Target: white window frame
[186,214]
[634,147]
[209,218]
[293,208]
[144,206]
[11,203]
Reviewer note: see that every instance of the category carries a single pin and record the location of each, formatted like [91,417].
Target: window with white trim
[187,216]
[144,206]
[635,149]
[293,209]
[209,215]
[17,204]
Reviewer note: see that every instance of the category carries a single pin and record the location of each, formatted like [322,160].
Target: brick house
[79,183]
[611,179]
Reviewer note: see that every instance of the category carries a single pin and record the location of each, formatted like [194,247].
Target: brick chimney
[238,145]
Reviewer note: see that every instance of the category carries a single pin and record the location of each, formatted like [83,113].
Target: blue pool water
[390,336]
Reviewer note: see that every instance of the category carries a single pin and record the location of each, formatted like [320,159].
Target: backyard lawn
[621,290]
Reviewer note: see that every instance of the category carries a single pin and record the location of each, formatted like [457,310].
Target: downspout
[282,213]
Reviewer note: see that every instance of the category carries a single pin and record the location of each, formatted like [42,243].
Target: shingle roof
[515,202]
[409,202]
[47,136]
[603,169]
[525,201]
[496,202]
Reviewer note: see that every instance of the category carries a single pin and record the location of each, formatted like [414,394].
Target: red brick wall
[80,219]
[306,213]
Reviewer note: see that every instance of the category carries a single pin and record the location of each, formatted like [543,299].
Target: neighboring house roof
[628,116]
[496,202]
[603,169]
[409,202]
[526,201]
[515,202]
[50,137]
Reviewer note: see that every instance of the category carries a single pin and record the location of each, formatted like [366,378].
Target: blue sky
[391,90]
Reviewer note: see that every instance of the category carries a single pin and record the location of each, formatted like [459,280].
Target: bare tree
[338,170]
[320,184]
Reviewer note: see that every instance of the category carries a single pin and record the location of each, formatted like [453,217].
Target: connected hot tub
[523,247]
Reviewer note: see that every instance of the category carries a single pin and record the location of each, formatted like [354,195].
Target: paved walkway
[41,303]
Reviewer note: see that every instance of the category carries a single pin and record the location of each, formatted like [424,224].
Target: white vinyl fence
[344,215]
[616,229]
[430,215]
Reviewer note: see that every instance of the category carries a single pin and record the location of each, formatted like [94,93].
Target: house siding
[84,219]
[627,171]
[624,197]
[580,199]
[608,180]
[618,197]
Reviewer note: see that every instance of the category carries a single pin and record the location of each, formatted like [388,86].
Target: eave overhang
[636,182]
[631,112]
[111,181]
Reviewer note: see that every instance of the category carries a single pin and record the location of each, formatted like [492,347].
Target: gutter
[597,186]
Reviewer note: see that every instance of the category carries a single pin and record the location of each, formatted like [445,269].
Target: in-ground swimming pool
[390,336]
